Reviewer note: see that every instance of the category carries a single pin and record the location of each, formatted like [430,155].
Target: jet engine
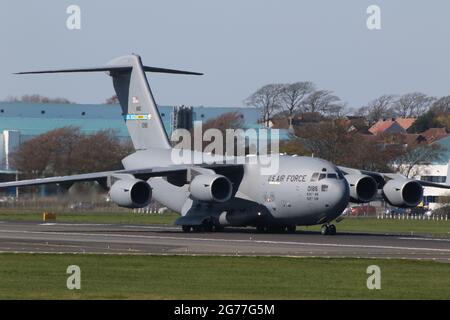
[363,188]
[211,187]
[403,192]
[131,193]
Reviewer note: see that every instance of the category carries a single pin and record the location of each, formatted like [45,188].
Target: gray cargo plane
[210,196]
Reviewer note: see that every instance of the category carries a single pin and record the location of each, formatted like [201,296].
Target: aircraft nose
[339,195]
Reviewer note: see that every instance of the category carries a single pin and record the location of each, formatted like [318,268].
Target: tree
[442,106]
[229,120]
[416,154]
[112,100]
[324,102]
[294,146]
[267,99]
[221,123]
[67,151]
[379,108]
[334,141]
[101,151]
[37,98]
[424,122]
[326,140]
[292,97]
[411,105]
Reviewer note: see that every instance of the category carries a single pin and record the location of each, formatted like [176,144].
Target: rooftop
[392,125]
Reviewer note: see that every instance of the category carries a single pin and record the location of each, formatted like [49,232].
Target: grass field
[411,227]
[437,228]
[43,276]
[92,217]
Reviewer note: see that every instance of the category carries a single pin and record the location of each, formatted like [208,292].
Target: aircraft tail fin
[139,108]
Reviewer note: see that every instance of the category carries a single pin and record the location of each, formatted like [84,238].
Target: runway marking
[424,239]
[226,240]
[74,224]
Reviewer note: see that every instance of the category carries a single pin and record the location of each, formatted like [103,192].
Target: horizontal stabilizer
[113,68]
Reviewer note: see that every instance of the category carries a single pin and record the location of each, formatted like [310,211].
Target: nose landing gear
[328,229]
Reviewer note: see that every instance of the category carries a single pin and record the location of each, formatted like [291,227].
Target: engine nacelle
[403,192]
[211,187]
[131,193]
[363,188]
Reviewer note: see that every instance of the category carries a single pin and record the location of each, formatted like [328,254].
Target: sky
[240,45]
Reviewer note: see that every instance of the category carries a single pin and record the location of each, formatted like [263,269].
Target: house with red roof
[385,126]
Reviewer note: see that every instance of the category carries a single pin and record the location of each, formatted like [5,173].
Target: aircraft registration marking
[138,117]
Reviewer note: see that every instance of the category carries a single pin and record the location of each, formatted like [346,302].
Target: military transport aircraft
[210,196]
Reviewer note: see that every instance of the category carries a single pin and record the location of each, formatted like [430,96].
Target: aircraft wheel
[218,228]
[291,229]
[261,229]
[324,230]
[208,227]
[197,228]
[186,228]
[332,229]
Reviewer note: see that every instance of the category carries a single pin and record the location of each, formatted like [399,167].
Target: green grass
[92,217]
[43,276]
[410,227]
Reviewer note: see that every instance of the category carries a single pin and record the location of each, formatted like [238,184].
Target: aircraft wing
[102,177]
[382,178]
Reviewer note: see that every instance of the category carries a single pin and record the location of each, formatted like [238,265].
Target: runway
[153,239]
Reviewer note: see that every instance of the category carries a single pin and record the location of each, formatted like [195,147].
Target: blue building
[22,121]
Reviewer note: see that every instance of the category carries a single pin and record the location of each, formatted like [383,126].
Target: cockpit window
[322,176]
[314,177]
[340,175]
[332,176]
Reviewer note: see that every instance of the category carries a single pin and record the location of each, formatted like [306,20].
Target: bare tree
[411,105]
[292,97]
[379,108]
[323,101]
[441,106]
[267,99]
[416,154]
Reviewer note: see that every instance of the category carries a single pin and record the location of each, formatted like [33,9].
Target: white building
[436,172]
[439,173]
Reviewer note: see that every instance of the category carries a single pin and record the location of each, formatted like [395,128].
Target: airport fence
[423,217]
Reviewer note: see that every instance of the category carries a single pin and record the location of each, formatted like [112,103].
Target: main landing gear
[276,229]
[207,226]
[328,229]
